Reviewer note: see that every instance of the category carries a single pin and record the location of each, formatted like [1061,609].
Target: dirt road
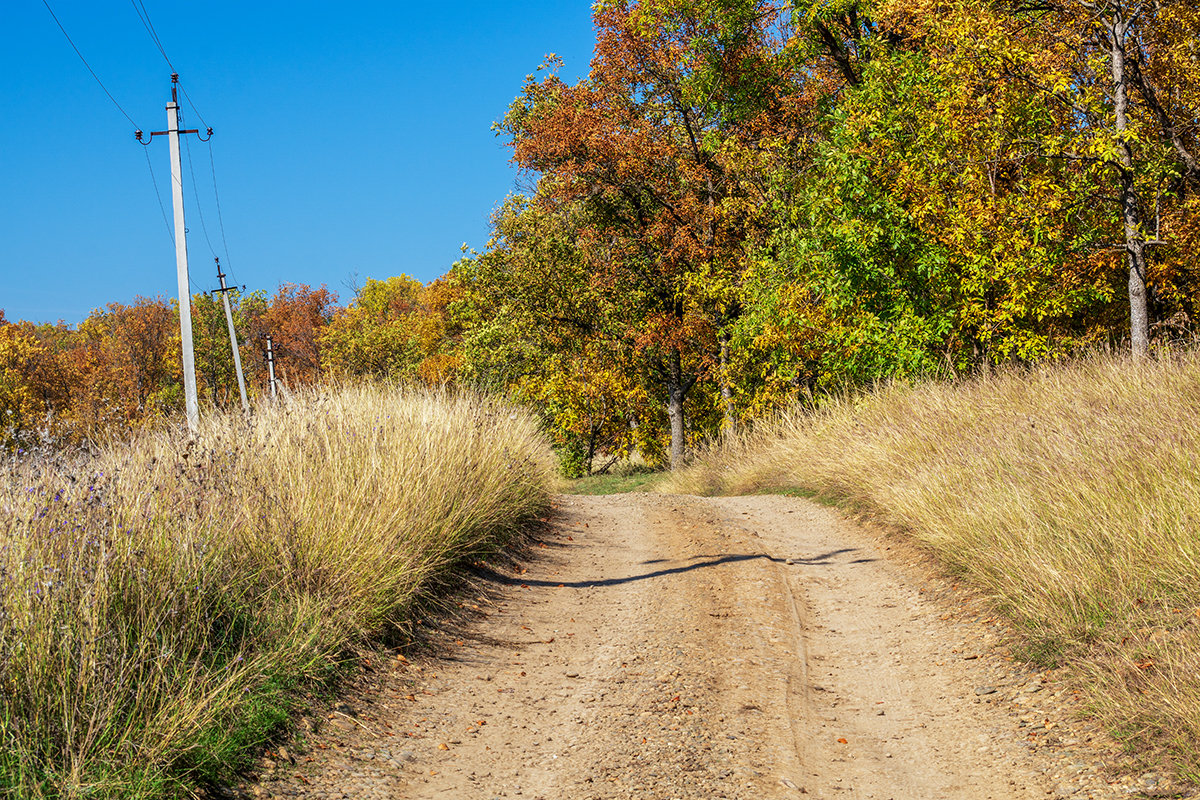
[668,647]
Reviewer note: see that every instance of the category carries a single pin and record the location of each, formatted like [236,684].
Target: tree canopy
[744,205]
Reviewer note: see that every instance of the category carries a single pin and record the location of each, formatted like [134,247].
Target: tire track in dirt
[676,647]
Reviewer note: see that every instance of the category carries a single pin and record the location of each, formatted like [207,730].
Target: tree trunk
[678,385]
[1135,245]
[726,388]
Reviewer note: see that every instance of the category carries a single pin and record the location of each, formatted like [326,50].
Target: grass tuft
[1069,493]
[164,601]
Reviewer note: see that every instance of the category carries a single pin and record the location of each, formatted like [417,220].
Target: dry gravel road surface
[656,646]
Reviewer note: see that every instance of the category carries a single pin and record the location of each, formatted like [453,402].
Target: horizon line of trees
[746,204]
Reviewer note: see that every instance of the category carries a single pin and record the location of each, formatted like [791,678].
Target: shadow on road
[709,561]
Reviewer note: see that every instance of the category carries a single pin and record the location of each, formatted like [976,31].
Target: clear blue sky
[351,138]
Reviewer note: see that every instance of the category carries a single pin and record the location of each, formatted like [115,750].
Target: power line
[144,16]
[188,97]
[217,196]
[89,66]
[161,207]
[196,193]
[139,8]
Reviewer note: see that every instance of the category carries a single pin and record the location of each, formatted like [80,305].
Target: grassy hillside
[162,602]
[1070,494]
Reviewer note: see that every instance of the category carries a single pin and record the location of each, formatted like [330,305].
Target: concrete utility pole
[181,257]
[233,342]
[181,262]
[271,368]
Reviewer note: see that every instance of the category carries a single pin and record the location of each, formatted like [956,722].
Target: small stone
[1065,790]
[285,756]
[982,690]
[790,561]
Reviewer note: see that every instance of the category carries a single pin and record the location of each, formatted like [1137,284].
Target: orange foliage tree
[294,318]
[645,146]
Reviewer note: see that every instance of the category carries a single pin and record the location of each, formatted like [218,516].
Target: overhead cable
[144,16]
[139,8]
[217,195]
[196,193]
[157,194]
[89,66]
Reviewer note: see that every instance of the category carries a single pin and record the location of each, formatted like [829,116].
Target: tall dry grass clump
[1070,493]
[162,601]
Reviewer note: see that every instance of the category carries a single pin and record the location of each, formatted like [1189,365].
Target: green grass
[616,484]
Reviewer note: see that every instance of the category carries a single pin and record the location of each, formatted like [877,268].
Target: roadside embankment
[1070,494]
[165,603]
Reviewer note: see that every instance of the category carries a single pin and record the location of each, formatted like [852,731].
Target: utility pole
[233,343]
[181,257]
[271,368]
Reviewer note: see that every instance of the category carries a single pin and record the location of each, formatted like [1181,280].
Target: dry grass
[162,602]
[1070,494]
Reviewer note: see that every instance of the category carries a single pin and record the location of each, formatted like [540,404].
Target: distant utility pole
[233,342]
[271,368]
[181,257]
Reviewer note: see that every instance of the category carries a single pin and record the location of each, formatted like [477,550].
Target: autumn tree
[124,365]
[643,143]
[1112,87]
[216,374]
[33,389]
[373,334]
[534,325]
[294,318]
